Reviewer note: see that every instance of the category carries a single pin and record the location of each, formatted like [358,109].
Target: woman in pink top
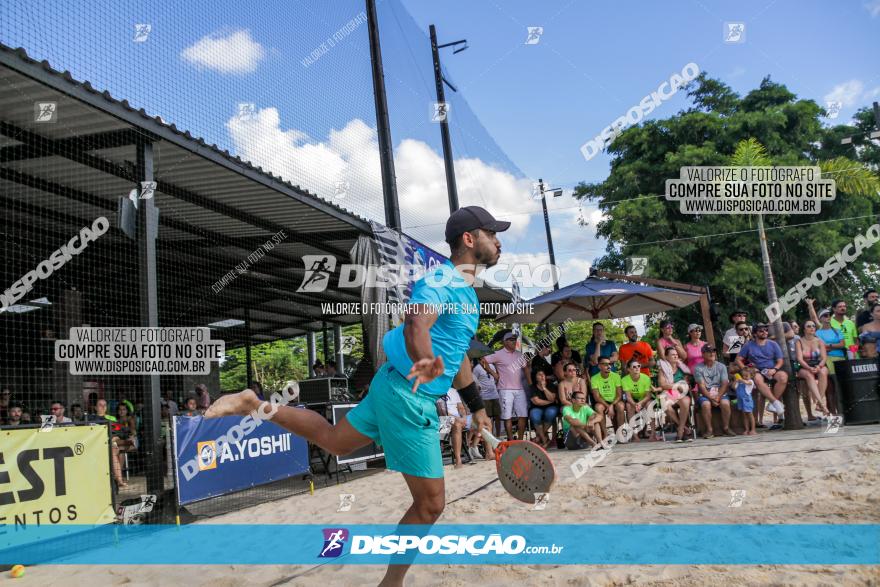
[667,339]
[694,346]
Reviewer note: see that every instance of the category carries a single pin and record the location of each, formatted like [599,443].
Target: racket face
[525,469]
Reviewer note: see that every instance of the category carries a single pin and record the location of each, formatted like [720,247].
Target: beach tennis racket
[524,468]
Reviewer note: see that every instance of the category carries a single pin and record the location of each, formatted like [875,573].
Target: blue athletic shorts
[403,423]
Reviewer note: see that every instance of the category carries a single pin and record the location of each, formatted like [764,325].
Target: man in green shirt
[844,324]
[607,394]
[578,420]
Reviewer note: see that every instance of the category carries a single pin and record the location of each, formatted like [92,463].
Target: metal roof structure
[215,209]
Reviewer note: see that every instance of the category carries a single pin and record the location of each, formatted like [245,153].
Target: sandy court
[788,477]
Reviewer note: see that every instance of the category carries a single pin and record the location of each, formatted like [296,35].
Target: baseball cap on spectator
[708,348]
[471,218]
[761,325]
[692,327]
[510,335]
[824,312]
[735,312]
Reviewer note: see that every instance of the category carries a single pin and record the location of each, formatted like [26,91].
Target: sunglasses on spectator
[635,366]
[742,329]
[809,325]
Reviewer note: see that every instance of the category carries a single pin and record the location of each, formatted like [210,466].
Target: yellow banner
[54,477]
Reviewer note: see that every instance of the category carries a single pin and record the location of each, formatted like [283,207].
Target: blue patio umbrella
[595,298]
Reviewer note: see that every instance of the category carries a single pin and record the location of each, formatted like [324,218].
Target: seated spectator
[5,400]
[812,361]
[318,368]
[77,414]
[713,386]
[570,384]
[667,340]
[541,362]
[26,417]
[456,409]
[128,439]
[607,398]
[543,410]
[561,343]
[864,316]
[257,388]
[102,417]
[600,348]
[766,356]
[580,424]
[566,356]
[15,413]
[203,398]
[732,345]
[57,410]
[674,381]
[487,378]
[636,349]
[744,403]
[191,408]
[637,393]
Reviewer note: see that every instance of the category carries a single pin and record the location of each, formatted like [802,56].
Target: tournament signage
[223,455]
[58,476]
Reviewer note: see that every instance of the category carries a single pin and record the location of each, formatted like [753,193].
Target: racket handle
[487,436]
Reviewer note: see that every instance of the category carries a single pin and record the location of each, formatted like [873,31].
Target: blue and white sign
[228,454]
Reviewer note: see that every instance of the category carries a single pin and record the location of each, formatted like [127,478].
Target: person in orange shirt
[637,349]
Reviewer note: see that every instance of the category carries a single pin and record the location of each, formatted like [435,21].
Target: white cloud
[352,154]
[847,93]
[874,8]
[226,52]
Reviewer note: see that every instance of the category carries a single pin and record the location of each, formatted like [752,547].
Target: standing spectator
[813,370]
[637,392]
[600,348]
[544,410]
[744,402]
[694,347]
[487,378]
[170,403]
[128,439]
[580,424]
[870,334]
[541,362]
[712,385]
[203,398]
[570,384]
[14,418]
[509,364]
[864,315]
[844,325]
[607,397]
[5,399]
[766,355]
[57,410]
[102,417]
[733,339]
[561,343]
[792,336]
[667,340]
[673,380]
[636,349]
[191,408]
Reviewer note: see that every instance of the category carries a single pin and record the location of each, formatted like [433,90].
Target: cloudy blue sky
[522,110]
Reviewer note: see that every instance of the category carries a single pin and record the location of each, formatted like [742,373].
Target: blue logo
[334,541]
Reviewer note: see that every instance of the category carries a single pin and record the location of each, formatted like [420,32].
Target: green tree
[722,251]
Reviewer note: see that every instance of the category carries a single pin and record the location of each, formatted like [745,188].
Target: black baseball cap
[471,218]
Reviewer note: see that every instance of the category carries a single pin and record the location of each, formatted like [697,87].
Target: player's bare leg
[429,499]
[338,440]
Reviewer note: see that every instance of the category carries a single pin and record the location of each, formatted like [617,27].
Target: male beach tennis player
[426,355]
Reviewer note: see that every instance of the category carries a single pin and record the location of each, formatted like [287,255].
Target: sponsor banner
[510,544]
[59,478]
[222,455]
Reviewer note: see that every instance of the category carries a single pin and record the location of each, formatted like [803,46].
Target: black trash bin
[859,382]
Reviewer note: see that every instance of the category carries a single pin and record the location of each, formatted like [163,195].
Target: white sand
[802,477]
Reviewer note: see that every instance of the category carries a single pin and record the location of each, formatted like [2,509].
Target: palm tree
[850,177]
